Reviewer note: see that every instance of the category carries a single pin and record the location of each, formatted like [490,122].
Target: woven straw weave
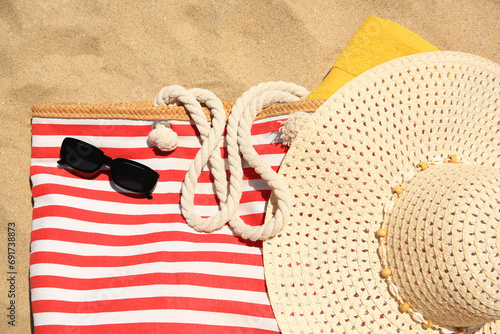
[455,225]
[322,270]
[146,110]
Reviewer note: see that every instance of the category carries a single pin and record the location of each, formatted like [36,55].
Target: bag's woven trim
[146,110]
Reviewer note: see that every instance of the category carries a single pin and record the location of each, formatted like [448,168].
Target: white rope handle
[209,152]
[238,140]
[239,147]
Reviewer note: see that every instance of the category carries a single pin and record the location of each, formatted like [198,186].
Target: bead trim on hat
[381,234]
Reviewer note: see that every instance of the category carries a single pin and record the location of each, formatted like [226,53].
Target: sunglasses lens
[133,176]
[81,156]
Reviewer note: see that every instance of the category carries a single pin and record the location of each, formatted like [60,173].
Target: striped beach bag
[148,217]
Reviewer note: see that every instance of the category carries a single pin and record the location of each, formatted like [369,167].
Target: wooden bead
[386,272]
[427,325]
[453,158]
[397,189]
[405,307]
[423,165]
[381,233]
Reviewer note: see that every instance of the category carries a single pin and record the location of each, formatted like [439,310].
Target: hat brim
[322,269]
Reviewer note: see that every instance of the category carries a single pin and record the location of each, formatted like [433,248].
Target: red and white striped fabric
[103,261]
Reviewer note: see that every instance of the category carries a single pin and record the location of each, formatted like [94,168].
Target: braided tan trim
[146,110]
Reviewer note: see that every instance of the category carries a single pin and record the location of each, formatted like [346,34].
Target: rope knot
[163,137]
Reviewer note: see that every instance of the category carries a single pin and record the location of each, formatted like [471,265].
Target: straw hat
[378,242]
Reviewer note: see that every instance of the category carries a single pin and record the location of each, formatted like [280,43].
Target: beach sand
[75,51]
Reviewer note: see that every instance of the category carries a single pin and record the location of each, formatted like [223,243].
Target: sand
[77,51]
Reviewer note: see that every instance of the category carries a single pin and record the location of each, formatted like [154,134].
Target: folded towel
[375,42]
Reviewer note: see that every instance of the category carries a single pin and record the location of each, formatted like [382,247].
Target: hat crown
[443,244]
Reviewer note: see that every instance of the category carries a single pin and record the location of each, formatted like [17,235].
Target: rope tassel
[292,126]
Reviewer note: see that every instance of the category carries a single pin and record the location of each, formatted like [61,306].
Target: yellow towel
[375,42]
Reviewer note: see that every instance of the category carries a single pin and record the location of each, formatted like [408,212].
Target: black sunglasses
[127,174]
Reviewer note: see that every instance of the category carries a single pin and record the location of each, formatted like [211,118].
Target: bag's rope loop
[239,147]
[210,138]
